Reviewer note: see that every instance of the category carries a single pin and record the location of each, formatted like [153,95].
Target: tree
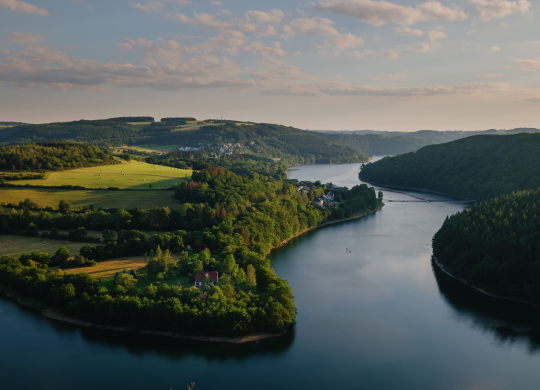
[64,206]
[183,260]
[125,280]
[380,196]
[251,278]
[108,235]
[61,255]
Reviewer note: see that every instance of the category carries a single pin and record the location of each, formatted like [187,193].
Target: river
[380,317]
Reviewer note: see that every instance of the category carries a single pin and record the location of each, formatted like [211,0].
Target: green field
[99,198]
[195,127]
[150,149]
[133,174]
[17,245]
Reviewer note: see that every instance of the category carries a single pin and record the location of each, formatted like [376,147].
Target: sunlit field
[17,245]
[132,174]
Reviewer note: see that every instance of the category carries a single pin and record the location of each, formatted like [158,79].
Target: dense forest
[52,156]
[226,222]
[479,167]
[377,145]
[495,245]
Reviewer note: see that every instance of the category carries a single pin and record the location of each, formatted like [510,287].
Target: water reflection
[158,346]
[509,323]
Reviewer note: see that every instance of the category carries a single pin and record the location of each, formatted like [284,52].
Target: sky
[400,65]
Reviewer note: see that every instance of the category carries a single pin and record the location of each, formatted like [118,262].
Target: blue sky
[322,64]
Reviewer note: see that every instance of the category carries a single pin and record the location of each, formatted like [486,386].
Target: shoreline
[325,224]
[415,189]
[482,291]
[216,339]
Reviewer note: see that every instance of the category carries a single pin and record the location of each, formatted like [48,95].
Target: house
[319,202]
[329,197]
[200,277]
[303,189]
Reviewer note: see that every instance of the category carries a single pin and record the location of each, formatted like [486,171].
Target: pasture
[99,198]
[139,123]
[151,149]
[17,245]
[133,174]
[194,127]
[107,269]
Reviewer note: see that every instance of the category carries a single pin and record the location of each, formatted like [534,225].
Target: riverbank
[216,339]
[441,267]
[414,189]
[325,224]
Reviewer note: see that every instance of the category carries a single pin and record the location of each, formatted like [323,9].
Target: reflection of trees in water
[168,347]
[510,323]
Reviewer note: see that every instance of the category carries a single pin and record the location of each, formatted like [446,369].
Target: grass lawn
[17,245]
[133,174]
[99,198]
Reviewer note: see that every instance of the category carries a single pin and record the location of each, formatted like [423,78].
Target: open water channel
[379,317]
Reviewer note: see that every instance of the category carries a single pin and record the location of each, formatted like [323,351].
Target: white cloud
[341,42]
[283,72]
[436,35]
[157,5]
[24,38]
[216,3]
[384,77]
[272,16]
[408,31]
[321,26]
[379,13]
[123,45]
[497,9]
[422,48]
[489,75]
[21,6]
[527,65]
[392,54]
[205,20]
[257,30]
[269,54]
[495,48]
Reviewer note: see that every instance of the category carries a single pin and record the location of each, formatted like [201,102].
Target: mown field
[132,174]
[17,245]
[150,149]
[107,269]
[99,198]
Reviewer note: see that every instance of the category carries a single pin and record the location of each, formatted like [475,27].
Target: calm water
[378,318]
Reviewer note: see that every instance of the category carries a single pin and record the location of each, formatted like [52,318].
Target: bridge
[431,201]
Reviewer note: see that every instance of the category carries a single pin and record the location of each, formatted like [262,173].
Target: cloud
[392,54]
[379,13]
[495,48]
[489,75]
[216,3]
[205,20]
[436,35]
[269,54]
[498,9]
[272,16]
[317,25]
[283,72]
[257,30]
[527,65]
[422,48]
[21,6]
[337,88]
[408,31]
[24,38]
[157,5]
[384,77]
[341,42]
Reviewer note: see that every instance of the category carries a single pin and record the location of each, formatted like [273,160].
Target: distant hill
[266,140]
[478,167]
[375,144]
[434,135]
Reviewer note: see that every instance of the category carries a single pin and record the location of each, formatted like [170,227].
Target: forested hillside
[377,145]
[52,156]
[477,168]
[495,245]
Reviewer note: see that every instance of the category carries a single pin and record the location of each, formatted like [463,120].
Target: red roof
[201,275]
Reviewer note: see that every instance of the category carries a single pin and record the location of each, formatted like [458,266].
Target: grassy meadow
[17,245]
[133,174]
[150,149]
[99,198]
[107,269]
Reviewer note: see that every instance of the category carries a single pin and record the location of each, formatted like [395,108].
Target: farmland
[107,269]
[99,198]
[17,245]
[151,149]
[134,174]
